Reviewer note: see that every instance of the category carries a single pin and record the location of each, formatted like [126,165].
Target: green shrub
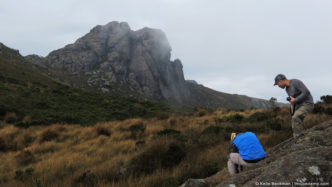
[103,131]
[318,109]
[137,130]
[172,122]
[276,109]
[159,155]
[328,111]
[3,111]
[25,158]
[22,124]
[140,143]
[258,116]
[212,135]
[326,99]
[169,132]
[48,135]
[173,156]
[213,129]
[10,118]
[139,127]
[3,146]
[19,174]
[232,118]
[29,171]
[202,112]
[87,178]
[274,124]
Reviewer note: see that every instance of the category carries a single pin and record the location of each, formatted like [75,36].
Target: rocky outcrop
[306,162]
[113,54]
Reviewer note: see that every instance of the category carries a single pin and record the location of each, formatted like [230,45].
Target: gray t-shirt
[299,91]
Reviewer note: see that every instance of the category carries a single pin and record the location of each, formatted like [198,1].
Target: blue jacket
[249,146]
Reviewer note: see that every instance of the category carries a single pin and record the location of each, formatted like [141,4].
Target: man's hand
[292,100]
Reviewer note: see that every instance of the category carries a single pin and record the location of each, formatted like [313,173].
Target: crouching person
[246,149]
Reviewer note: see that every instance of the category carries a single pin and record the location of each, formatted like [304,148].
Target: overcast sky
[233,46]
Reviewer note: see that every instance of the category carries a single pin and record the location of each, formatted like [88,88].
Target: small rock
[314,170]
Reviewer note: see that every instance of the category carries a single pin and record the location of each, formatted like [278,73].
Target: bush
[137,127]
[48,135]
[212,135]
[169,132]
[202,112]
[232,118]
[10,118]
[274,124]
[328,111]
[173,156]
[172,122]
[87,178]
[258,116]
[318,109]
[103,131]
[326,99]
[2,111]
[21,175]
[213,129]
[276,109]
[21,124]
[137,130]
[24,140]
[161,154]
[3,146]
[25,158]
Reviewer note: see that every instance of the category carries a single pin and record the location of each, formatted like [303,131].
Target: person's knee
[296,118]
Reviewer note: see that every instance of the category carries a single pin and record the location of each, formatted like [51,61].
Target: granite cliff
[113,54]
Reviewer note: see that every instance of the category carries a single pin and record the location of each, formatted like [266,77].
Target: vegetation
[134,152]
[47,137]
[27,97]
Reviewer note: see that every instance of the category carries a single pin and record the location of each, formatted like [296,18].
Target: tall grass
[134,152]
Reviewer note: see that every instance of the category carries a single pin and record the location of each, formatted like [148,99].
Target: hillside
[155,152]
[213,99]
[28,96]
[113,55]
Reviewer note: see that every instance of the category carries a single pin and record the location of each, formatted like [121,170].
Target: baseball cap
[278,78]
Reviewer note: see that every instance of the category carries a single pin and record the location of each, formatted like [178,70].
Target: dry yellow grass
[101,155]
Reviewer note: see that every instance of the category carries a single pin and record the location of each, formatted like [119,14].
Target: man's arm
[304,91]
[234,148]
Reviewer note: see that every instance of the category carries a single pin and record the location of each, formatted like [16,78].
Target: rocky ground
[304,162]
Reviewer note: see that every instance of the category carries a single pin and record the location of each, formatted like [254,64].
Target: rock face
[116,54]
[113,54]
[309,160]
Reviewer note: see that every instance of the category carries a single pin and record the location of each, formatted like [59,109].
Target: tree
[273,102]
[326,98]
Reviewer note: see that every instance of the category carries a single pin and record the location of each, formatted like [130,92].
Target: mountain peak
[111,26]
[113,54]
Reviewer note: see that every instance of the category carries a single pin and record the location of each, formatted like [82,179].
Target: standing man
[300,99]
